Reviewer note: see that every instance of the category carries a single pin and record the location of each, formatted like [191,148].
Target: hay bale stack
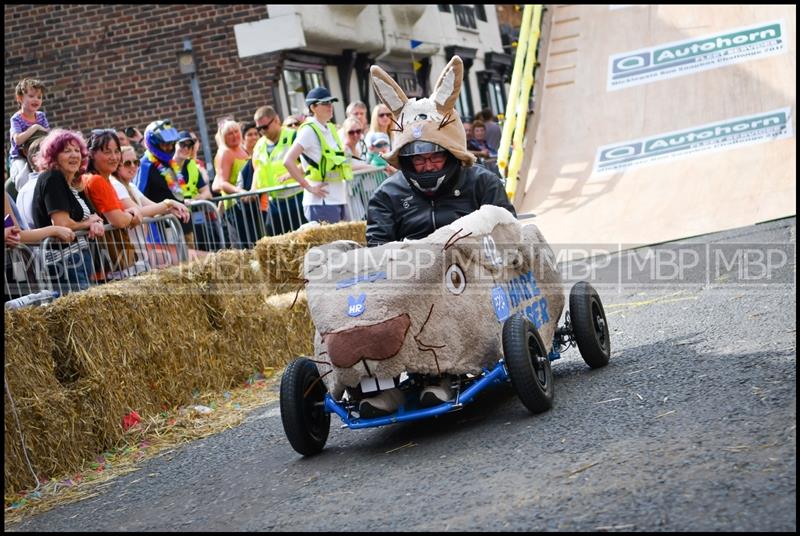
[281,257]
[49,418]
[231,282]
[137,344]
[271,336]
[78,365]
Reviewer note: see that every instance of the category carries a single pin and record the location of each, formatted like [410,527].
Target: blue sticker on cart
[355,306]
[500,302]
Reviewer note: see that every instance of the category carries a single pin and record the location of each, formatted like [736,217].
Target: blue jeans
[72,272]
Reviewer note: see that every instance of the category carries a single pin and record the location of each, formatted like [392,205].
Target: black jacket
[397,211]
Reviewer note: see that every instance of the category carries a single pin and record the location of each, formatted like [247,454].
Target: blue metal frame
[498,374]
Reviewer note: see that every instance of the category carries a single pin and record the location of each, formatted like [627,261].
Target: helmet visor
[420,147]
[168,134]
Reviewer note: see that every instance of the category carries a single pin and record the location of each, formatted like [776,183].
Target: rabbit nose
[378,341]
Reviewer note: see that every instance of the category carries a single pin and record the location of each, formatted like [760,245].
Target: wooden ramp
[703,148]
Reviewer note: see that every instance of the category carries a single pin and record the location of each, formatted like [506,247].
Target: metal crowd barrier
[58,268]
[360,189]
[158,242]
[247,217]
[207,229]
[23,267]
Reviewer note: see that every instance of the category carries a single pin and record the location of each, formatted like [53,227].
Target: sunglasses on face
[385,114]
[292,125]
[263,128]
[354,132]
[130,163]
[187,144]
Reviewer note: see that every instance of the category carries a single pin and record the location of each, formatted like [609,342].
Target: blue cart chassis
[498,374]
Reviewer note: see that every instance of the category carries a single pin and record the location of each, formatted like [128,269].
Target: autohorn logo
[694,55]
[732,133]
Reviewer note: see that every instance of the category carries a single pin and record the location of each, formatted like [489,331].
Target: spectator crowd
[77,190]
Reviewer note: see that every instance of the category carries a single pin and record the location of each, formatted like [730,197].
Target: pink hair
[54,144]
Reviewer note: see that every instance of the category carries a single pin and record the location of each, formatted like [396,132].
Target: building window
[405,77]
[444,8]
[298,80]
[480,12]
[497,101]
[464,102]
[492,89]
[465,17]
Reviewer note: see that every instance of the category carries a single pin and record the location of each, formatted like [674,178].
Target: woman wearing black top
[58,200]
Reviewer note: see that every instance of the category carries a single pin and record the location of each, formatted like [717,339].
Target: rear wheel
[589,325]
[527,363]
[305,421]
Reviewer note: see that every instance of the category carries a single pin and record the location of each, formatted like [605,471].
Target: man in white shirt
[325,169]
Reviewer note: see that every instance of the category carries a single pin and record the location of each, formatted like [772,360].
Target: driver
[436,184]
[432,189]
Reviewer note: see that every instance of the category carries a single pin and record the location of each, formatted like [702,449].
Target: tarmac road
[691,427]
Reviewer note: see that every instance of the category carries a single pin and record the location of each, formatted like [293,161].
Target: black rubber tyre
[305,421]
[589,325]
[527,364]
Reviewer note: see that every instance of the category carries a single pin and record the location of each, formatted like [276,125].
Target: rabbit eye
[454,279]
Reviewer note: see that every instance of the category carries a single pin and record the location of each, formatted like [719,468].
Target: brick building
[117,65]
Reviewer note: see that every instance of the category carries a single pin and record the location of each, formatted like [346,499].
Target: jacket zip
[433,214]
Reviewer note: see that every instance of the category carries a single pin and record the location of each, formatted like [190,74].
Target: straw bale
[48,418]
[136,344]
[274,335]
[78,365]
[281,257]
[231,281]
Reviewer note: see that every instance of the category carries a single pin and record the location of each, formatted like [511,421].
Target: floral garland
[172,175]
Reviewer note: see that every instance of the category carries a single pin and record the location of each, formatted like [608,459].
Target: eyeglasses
[385,115]
[436,159]
[354,132]
[130,163]
[187,144]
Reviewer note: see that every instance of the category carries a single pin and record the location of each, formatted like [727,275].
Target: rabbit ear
[387,90]
[445,92]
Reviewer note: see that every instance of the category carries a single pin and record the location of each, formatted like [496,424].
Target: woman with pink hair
[58,199]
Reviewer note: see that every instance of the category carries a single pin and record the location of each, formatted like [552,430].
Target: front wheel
[305,421]
[527,363]
[589,325]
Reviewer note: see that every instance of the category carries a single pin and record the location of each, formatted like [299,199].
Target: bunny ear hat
[432,119]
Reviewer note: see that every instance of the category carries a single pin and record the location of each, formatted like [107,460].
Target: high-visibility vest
[190,188]
[334,165]
[270,163]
